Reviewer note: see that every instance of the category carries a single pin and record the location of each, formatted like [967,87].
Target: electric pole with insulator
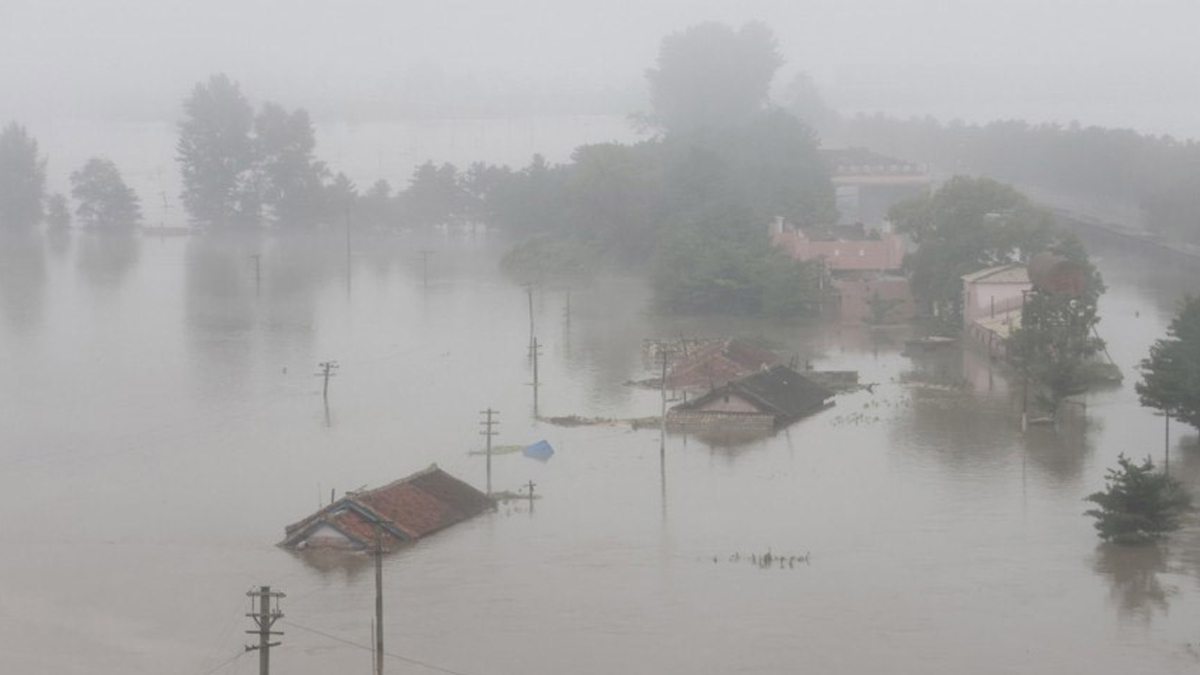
[327,368]
[265,617]
[489,422]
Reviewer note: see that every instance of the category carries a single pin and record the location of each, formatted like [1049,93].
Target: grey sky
[1119,62]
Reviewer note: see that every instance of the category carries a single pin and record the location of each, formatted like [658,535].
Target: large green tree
[22,178]
[216,155]
[1056,344]
[711,75]
[290,176]
[968,224]
[1171,373]
[1138,504]
[104,201]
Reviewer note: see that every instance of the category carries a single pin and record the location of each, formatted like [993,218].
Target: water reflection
[105,258]
[333,564]
[22,279]
[1132,574]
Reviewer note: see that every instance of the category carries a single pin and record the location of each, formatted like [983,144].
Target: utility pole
[488,423]
[529,293]
[531,485]
[425,267]
[327,368]
[537,351]
[663,356]
[257,258]
[347,245]
[265,617]
[378,598]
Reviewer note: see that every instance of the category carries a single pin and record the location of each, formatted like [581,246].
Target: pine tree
[1138,504]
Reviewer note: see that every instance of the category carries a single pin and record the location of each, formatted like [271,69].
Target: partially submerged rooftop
[404,510]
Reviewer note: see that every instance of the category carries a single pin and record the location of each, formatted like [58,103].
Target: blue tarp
[540,451]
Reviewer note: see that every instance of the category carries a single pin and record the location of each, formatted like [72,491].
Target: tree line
[1160,175]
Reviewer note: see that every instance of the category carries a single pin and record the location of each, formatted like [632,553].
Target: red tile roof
[716,363]
[409,508]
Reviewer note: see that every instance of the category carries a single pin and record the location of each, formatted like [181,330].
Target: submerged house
[770,398]
[863,266]
[404,510]
[715,363]
[992,301]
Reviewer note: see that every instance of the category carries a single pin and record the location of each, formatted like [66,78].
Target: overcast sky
[1111,62]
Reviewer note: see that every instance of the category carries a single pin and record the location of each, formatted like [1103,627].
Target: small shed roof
[408,508]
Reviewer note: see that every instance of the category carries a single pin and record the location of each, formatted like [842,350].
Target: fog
[1115,63]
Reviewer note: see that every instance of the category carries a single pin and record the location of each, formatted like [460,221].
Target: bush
[1138,504]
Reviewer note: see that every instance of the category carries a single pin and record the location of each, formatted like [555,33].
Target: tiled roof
[716,363]
[780,392]
[409,508]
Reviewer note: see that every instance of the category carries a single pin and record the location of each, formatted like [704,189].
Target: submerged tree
[1138,504]
[1171,374]
[290,176]
[105,202]
[22,178]
[967,225]
[58,212]
[1056,343]
[216,155]
[711,75]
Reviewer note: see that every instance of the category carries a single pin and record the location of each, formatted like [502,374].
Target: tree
[216,155]
[290,177]
[1171,373]
[710,76]
[803,99]
[58,212]
[105,202]
[1057,342]
[967,225]
[1138,504]
[22,179]
[433,196]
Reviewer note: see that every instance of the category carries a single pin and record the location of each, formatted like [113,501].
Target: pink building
[884,252]
[992,300]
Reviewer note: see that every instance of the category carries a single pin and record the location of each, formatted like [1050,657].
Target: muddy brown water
[160,423]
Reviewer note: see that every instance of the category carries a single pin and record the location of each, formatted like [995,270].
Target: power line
[224,663]
[401,657]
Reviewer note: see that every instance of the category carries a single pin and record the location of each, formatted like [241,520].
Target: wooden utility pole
[529,293]
[488,423]
[663,356]
[537,351]
[265,617]
[327,368]
[531,485]
[378,598]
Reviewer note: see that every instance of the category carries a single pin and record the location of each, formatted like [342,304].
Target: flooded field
[162,422]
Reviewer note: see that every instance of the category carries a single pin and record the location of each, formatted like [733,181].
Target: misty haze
[662,337]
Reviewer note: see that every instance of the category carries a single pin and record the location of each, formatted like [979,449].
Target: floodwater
[162,422]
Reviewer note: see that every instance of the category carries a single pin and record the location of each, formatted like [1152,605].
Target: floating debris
[767,560]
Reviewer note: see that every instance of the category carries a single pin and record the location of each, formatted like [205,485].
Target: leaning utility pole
[265,617]
[489,422]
